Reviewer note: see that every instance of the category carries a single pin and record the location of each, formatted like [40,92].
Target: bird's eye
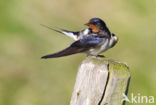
[94,23]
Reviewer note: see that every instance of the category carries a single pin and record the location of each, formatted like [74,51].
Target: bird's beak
[87,24]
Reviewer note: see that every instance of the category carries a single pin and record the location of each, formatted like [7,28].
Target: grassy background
[25,79]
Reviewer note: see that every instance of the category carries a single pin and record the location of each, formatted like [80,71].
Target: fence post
[100,81]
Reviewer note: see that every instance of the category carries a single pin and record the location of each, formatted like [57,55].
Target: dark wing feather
[68,51]
[81,45]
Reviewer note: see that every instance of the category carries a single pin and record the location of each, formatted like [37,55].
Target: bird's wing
[79,46]
[71,34]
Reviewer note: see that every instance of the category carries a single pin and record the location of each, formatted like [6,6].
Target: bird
[93,40]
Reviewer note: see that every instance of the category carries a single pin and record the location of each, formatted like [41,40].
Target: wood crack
[105,86]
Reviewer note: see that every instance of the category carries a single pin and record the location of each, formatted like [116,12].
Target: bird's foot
[101,56]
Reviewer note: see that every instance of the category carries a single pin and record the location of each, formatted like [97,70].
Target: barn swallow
[92,41]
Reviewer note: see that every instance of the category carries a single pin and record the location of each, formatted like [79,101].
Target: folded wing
[79,46]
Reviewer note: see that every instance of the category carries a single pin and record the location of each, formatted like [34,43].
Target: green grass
[25,79]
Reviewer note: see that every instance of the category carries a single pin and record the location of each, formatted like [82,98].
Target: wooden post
[100,81]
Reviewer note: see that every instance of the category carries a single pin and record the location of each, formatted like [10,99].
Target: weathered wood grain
[100,81]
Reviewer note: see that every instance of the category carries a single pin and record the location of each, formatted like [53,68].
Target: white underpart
[111,41]
[105,46]
[102,48]
[114,38]
[70,35]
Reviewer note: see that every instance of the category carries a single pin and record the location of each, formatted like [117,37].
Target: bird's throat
[94,28]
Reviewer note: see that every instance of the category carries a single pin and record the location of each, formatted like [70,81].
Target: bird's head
[96,24]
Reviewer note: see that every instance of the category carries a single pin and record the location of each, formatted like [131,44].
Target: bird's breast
[99,49]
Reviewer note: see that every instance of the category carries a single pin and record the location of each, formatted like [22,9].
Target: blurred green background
[25,79]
